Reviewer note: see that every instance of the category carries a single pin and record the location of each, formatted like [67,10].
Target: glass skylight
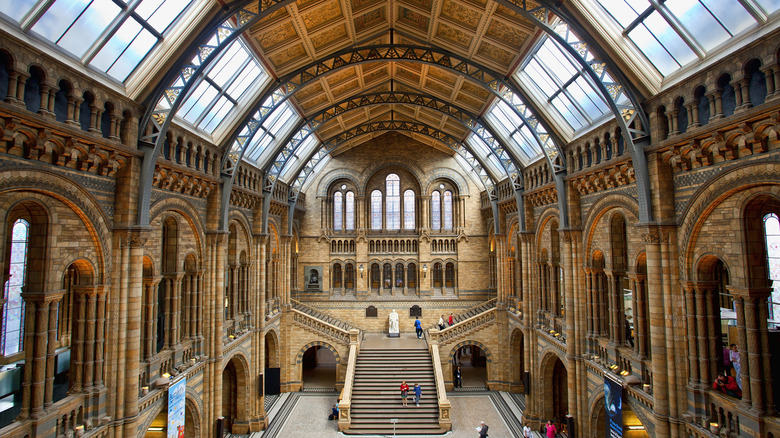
[564,85]
[672,34]
[273,130]
[292,167]
[514,133]
[220,90]
[481,150]
[111,35]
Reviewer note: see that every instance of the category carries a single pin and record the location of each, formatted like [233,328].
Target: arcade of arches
[632,257]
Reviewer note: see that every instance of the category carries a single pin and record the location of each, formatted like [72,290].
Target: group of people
[726,383]
[405,393]
[450,321]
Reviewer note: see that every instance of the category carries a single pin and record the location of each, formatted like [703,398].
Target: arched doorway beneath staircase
[318,368]
[472,361]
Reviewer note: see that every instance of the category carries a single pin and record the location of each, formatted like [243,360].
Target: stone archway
[235,395]
[473,358]
[555,390]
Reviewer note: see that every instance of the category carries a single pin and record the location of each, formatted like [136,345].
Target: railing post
[445,421]
[345,418]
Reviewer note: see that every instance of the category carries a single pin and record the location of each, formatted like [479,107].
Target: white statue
[393,330]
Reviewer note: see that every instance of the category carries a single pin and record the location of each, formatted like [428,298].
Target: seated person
[727,385]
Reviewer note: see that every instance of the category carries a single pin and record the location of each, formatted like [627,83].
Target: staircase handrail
[491,302]
[326,328]
[310,308]
[445,420]
[464,327]
[345,416]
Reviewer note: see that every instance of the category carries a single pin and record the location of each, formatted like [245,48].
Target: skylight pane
[556,61]
[588,98]
[653,50]
[133,55]
[88,27]
[699,22]
[566,108]
[769,6]
[17,9]
[202,98]
[159,14]
[58,18]
[216,114]
[540,78]
[244,80]
[225,68]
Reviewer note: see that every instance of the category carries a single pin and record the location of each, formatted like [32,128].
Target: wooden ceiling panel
[460,14]
[322,16]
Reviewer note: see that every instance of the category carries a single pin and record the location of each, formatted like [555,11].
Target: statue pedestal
[393,335]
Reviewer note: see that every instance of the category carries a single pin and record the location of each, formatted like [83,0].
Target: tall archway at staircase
[472,360]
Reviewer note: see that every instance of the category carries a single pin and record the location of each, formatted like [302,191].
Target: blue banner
[613,404]
[176,395]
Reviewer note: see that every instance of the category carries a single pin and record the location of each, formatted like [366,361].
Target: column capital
[43,297]
[133,237]
[90,289]
[750,293]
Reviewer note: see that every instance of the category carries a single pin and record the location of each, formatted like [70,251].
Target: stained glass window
[673,33]
[772,230]
[393,201]
[436,210]
[448,210]
[113,36]
[338,210]
[409,210]
[350,214]
[13,310]
[376,210]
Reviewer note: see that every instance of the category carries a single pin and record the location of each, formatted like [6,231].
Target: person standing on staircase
[441,322]
[452,320]
[418,327]
[417,394]
[404,392]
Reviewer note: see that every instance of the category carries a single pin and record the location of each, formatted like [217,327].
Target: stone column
[691,332]
[51,342]
[16,82]
[640,320]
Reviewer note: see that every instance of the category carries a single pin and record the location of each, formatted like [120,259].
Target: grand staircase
[376,397]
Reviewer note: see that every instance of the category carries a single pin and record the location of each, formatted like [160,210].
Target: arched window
[411,275]
[13,311]
[393,201]
[449,275]
[336,276]
[772,233]
[349,276]
[448,210]
[399,275]
[436,211]
[437,280]
[408,210]
[376,210]
[350,213]
[338,210]
[375,276]
[387,276]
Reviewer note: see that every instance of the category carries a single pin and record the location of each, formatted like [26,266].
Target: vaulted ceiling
[482,31]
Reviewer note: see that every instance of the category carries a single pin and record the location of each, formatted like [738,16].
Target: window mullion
[680,29]
[754,10]
[211,104]
[638,20]
[36,12]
